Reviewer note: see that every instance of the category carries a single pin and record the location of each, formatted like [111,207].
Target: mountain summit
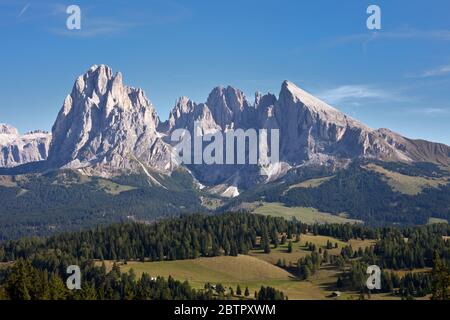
[106,126]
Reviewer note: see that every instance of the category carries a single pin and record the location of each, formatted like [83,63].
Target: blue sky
[398,77]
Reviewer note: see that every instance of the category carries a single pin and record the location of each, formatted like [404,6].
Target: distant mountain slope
[65,200]
[378,193]
[16,149]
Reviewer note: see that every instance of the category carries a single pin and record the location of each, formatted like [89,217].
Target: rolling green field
[113,188]
[255,270]
[311,183]
[407,184]
[243,270]
[305,215]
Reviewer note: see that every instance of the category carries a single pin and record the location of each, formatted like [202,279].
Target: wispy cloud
[24,10]
[413,34]
[97,19]
[366,38]
[435,72]
[96,22]
[432,111]
[353,94]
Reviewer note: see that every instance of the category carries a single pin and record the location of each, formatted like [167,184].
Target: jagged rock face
[230,109]
[265,111]
[16,149]
[311,131]
[105,126]
[7,129]
[186,113]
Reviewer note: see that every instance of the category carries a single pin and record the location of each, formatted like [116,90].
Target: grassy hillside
[305,215]
[245,271]
[58,201]
[310,183]
[256,270]
[406,184]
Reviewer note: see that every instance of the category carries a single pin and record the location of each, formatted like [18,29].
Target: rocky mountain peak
[105,124]
[16,149]
[227,105]
[7,129]
[293,96]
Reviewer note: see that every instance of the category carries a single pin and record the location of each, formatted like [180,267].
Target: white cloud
[352,94]
[436,72]
[433,111]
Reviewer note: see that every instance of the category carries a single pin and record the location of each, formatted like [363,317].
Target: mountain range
[109,153]
[106,128]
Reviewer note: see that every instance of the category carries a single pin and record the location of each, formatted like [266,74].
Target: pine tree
[58,289]
[440,279]
[290,249]
[19,282]
[339,283]
[220,289]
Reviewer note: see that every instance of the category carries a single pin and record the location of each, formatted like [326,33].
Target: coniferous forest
[34,268]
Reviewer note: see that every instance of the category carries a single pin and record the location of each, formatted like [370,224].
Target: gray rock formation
[105,127]
[311,131]
[16,149]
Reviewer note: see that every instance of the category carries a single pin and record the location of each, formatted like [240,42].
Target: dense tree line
[410,285]
[345,232]
[394,250]
[269,293]
[25,282]
[412,247]
[187,237]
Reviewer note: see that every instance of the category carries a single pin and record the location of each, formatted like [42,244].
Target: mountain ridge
[105,127]
[17,149]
